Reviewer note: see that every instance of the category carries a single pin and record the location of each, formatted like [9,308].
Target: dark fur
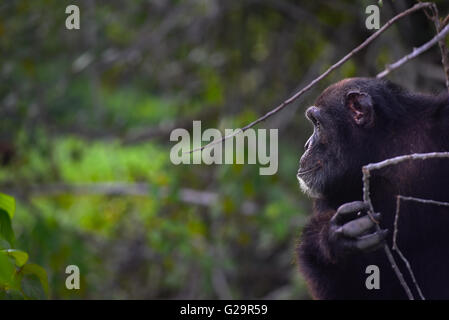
[404,123]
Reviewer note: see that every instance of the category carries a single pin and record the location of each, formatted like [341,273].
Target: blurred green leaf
[7,270]
[8,204]
[6,231]
[32,287]
[39,272]
[20,257]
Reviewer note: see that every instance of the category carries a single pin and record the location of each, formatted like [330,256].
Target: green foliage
[20,257]
[6,231]
[16,275]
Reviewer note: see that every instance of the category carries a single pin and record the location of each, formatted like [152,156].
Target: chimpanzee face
[339,116]
[311,163]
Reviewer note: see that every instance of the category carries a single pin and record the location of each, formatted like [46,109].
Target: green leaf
[32,288]
[7,270]
[21,257]
[8,204]
[34,269]
[6,231]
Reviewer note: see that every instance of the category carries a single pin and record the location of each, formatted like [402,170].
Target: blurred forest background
[86,117]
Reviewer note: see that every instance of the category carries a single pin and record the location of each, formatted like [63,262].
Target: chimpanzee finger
[369,242]
[359,226]
[345,211]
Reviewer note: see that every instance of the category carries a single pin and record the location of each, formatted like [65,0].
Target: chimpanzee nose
[306,146]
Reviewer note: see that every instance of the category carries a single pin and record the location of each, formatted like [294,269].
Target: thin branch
[365,43]
[416,52]
[205,198]
[394,266]
[425,201]
[186,195]
[443,48]
[366,170]
[401,255]
[399,159]
[396,230]
[445,21]
[444,54]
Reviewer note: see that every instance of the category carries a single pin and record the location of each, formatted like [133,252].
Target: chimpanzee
[359,121]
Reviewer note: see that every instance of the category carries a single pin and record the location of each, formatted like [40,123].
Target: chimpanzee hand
[351,230]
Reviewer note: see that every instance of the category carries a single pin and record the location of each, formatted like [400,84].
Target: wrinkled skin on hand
[352,230]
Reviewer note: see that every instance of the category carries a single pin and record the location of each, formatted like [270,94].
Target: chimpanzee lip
[311,169]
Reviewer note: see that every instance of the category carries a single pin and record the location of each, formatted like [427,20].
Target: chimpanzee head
[351,120]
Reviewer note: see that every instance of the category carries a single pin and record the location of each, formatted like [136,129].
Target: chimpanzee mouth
[305,171]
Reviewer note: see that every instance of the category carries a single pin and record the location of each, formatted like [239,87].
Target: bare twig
[416,7]
[445,21]
[399,159]
[425,201]
[387,250]
[186,195]
[441,43]
[416,52]
[205,198]
[366,170]
[401,255]
[396,230]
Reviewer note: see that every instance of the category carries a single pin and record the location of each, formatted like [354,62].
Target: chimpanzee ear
[360,107]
